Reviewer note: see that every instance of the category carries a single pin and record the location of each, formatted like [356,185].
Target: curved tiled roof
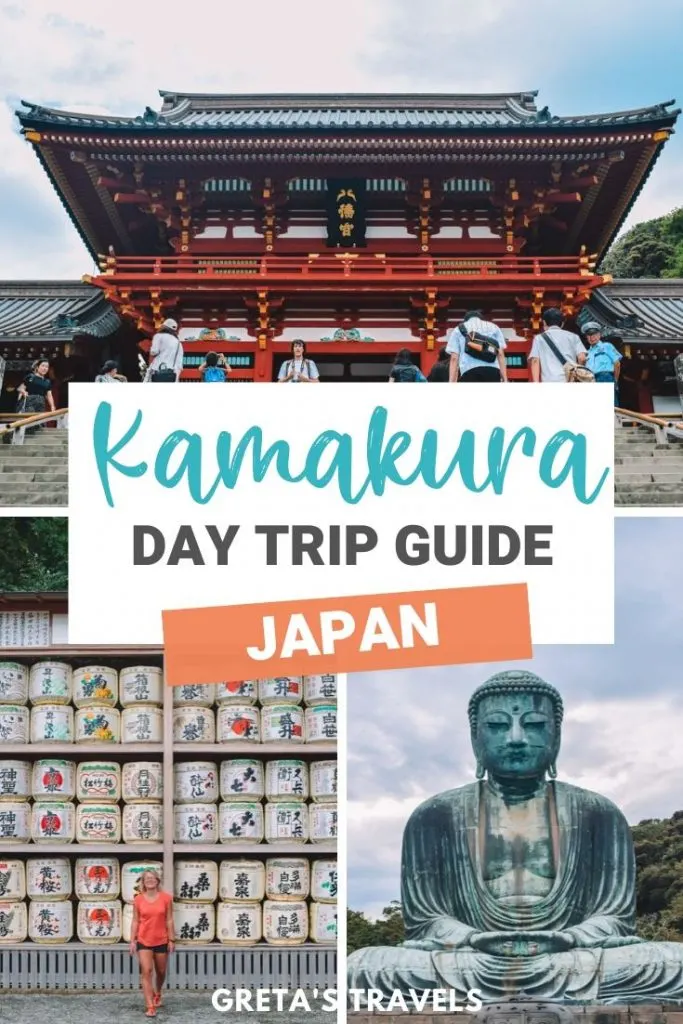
[645,310]
[53,310]
[206,112]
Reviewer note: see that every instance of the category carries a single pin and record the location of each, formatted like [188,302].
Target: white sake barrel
[243,692]
[54,779]
[12,880]
[97,878]
[202,695]
[282,723]
[322,823]
[288,878]
[13,683]
[100,724]
[13,923]
[285,924]
[99,921]
[195,823]
[99,781]
[50,921]
[143,781]
[48,878]
[98,823]
[320,690]
[194,725]
[127,921]
[321,724]
[283,690]
[324,782]
[15,780]
[95,684]
[286,780]
[53,822]
[141,684]
[52,723]
[242,881]
[143,823]
[323,927]
[131,873]
[195,782]
[239,924]
[242,779]
[324,881]
[13,724]
[50,682]
[240,822]
[142,723]
[287,822]
[15,822]
[239,723]
[195,881]
[194,922]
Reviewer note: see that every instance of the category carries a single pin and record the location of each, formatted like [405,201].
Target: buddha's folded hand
[521,943]
[621,940]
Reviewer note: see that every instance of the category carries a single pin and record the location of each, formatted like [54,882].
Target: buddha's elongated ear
[480,770]
[552,770]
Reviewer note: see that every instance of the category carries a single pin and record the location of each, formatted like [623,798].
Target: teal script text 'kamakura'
[332,458]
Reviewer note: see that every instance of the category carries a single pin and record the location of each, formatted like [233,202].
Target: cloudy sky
[583,57]
[409,739]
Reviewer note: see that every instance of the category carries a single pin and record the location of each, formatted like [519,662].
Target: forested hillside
[651,249]
[659,860]
[33,554]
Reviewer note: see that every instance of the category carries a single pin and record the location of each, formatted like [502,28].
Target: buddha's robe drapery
[445,901]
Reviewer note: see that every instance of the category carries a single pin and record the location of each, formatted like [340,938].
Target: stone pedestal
[529,1012]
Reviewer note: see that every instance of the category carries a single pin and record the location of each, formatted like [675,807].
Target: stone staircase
[35,472]
[646,473]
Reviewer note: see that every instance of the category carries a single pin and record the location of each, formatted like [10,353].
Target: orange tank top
[152,930]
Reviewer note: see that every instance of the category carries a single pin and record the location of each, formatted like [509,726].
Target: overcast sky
[409,738]
[583,57]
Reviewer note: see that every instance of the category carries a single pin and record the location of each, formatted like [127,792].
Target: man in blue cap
[602,359]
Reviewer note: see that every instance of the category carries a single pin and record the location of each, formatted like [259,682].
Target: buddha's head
[516,722]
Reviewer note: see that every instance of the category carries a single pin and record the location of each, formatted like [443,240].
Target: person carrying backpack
[404,370]
[477,351]
[214,369]
[298,369]
[439,372]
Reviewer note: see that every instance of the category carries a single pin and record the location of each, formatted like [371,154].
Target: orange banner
[347,634]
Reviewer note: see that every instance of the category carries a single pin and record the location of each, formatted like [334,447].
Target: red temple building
[361,224]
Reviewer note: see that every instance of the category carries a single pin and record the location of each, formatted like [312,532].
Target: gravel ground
[124,1007]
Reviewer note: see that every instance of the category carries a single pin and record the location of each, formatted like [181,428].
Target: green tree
[387,930]
[33,554]
[653,248]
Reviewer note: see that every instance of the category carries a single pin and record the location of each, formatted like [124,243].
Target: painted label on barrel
[98,823]
[320,690]
[15,780]
[240,822]
[13,923]
[201,695]
[13,724]
[321,724]
[288,879]
[99,781]
[142,780]
[194,922]
[195,782]
[50,922]
[98,921]
[195,881]
[286,822]
[143,823]
[324,781]
[195,823]
[48,878]
[194,725]
[98,724]
[243,692]
[324,923]
[95,684]
[52,723]
[323,822]
[286,780]
[285,924]
[13,683]
[50,683]
[12,880]
[98,876]
[240,923]
[53,822]
[242,779]
[141,684]
[54,779]
[142,724]
[282,723]
[242,880]
[239,723]
[324,881]
[281,690]
[131,873]
[15,822]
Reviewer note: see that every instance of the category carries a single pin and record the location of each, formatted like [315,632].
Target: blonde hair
[139,887]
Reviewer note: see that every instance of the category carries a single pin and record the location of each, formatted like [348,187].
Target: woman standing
[35,391]
[152,937]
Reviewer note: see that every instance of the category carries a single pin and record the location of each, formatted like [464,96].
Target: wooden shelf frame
[168,753]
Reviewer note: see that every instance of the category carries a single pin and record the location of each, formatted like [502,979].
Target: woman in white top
[298,369]
[166,350]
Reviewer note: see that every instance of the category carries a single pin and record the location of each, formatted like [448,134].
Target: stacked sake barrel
[284,901]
